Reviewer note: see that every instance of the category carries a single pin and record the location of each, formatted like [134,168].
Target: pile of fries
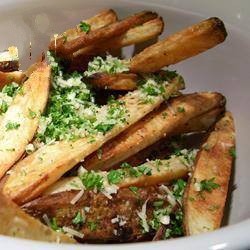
[95,148]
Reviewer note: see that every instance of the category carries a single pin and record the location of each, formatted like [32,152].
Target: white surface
[224,69]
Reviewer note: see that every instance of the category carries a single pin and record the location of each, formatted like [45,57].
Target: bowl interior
[224,68]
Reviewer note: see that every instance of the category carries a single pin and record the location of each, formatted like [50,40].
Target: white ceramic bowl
[225,69]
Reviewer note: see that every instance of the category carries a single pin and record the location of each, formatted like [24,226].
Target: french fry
[9,60]
[105,33]
[8,77]
[98,21]
[139,34]
[158,124]
[160,149]
[204,204]
[20,122]
[161,172]
[120,81]
[180,46]
[49,163]
[16,223]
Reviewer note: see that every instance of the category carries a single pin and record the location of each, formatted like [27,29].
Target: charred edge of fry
[147,31]
[179,46]
[104,17]
[107,32]
[9,66]
[120,81]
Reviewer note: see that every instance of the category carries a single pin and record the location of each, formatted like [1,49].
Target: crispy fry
[105,33]
[156,125]
[98,21]
[164,171]
[49,163]
[179,46]
[160,149]
[16,223]
[120,81]
[139,34]
[32,99]
[204,208]
[8,77]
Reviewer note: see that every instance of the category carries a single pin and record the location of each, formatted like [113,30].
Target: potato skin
[180,46]
[204,211]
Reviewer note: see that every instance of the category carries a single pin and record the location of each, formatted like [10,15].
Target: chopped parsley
[78,220]
[134,189]
[92,180]
[32,114]
[92,225]
[12,126]
[11,89]
[208,185]
[115,176]
[53,225]
[179,188]
[181,109]
[232,152]
[3,107]
[110,65]
[85,27]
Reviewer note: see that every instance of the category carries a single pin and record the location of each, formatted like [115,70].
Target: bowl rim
[229,237]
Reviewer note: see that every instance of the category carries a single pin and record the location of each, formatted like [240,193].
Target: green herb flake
[78,220]
[3,107]
[134,189]
[85,27]
[54,225]
[232,152]
[12,126]
[181,109]
[92,180]
[32,114]
[208,185]
[115,176]
[92,225]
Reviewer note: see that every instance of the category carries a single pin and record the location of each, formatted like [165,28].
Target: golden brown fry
[45,166]
[16,223]
[120,81]
[8,77]
[156,125]
[139,34]
[98,21]
[180,46]
[203,208]
[105,33]
[162,172]
[23,113]
[160,149]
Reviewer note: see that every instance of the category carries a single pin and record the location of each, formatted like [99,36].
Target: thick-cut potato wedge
[49,163]
[16,223]
[164,171]
[160,149]
[105,33]
[158,124]
[204,210]
[8,77]
[179,46]
[139,34]
[120,81]
[98,21]
[20,122]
